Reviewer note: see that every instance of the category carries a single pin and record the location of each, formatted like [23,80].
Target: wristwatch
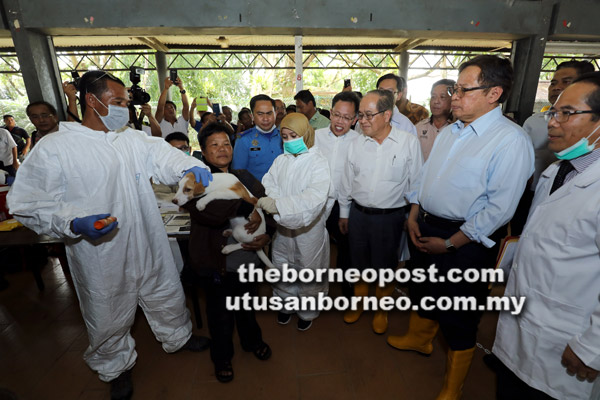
[182,91]
[449,246]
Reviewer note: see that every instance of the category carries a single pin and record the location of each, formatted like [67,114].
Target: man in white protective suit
[552,349]
[87,172]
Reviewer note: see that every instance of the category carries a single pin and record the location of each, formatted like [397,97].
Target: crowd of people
[391,185]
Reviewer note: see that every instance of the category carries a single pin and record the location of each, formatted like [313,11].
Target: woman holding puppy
[298,185]
[217,271]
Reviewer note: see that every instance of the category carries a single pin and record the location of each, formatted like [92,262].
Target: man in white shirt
[333,143]
[166,110]
[381,168]
[8,153]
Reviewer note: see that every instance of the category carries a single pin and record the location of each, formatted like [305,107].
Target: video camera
[76,79]
[138,95]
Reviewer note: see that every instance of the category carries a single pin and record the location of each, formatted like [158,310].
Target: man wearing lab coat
[552,349]
[86,172]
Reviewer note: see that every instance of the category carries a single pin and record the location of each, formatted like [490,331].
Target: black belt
[438,221]
[376,211]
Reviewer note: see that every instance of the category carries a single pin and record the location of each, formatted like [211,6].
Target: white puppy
[224,187]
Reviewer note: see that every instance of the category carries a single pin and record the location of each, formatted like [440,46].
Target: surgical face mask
[116,118]
[295,146]
[578,149]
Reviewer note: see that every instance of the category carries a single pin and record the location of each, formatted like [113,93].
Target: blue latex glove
[85,226]
[201,174]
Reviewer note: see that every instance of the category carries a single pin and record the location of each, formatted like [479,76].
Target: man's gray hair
[386,100]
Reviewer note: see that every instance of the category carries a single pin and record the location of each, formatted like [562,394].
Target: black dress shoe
[121,388]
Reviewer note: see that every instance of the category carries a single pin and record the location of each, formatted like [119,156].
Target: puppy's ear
[198,188]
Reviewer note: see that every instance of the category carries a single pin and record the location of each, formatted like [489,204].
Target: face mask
[578,149]
[116,118]
[263,131]
[295,146]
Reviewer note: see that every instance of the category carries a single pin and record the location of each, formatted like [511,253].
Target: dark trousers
[510,387]
[374,239]
[221,321]
[8,168]
[343,247]
[458,327]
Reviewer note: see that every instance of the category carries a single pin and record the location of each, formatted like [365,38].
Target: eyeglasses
[563,116]
[183,148]
[460,91]
[39,116]
[368,116]
[344,117]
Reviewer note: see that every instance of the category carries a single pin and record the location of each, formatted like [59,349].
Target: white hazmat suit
[77,172]
[300,187]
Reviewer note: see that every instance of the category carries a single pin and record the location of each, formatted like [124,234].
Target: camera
[138,95]
[76,79]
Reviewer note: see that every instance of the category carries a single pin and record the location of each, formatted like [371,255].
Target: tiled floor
[42,339]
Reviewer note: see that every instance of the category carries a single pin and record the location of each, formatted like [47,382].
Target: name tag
[254,148]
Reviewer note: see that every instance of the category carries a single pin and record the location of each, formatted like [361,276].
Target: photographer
[139,97]
[166,110]
[70,89]
[136,121]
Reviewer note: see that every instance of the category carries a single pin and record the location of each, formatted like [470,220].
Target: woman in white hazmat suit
[298,185]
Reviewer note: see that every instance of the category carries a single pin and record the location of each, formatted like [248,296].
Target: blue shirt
[256,151]
[476,174]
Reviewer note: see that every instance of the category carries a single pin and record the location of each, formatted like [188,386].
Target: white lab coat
[301,187]
[77,172]
[557,268]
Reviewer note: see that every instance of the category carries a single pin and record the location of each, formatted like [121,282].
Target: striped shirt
[581,163]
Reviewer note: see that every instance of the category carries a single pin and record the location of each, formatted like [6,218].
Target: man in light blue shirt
[468,191]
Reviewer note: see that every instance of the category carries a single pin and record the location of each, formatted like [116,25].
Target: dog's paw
[226,250]
[227,232]
[200,206]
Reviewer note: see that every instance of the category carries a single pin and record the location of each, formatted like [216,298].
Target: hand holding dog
[85,226]
[254,221]
[202,175]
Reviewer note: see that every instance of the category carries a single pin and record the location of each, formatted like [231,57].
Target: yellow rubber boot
[380,320]
[361,289]
[457,368]
[421,332]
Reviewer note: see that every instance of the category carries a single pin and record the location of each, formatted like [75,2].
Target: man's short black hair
[400,82]
[50,107]
[582,67]
[170,102]
[305,96]
[7,116]
[94,82]
[350,97]
[593,99]
[211,129]
[242,112]
[177,136]
[204,116]
[495,71]
[260,97]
